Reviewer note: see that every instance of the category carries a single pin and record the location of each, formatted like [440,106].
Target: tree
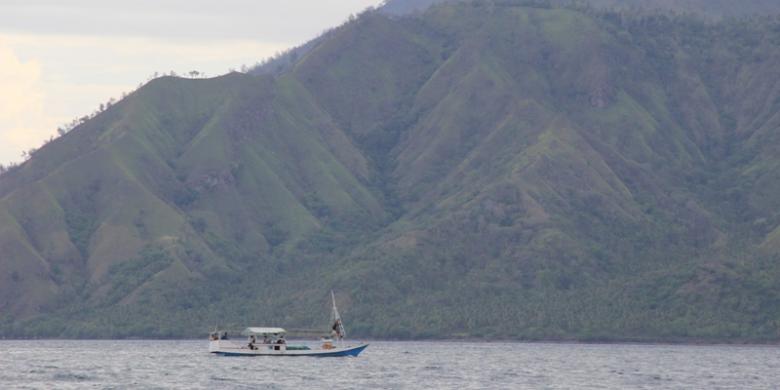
[194,73]
[61,131]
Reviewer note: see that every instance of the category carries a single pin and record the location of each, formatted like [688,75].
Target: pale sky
[60,59]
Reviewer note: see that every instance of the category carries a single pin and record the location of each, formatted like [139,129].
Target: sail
[338,325]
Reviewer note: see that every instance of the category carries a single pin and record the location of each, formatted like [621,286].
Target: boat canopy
[264,331]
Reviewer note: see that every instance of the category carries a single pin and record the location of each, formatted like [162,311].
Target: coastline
[648,342]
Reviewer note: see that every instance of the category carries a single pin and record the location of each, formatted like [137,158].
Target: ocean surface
[57,364]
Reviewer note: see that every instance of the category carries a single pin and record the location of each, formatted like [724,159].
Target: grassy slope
[568,190]
[476,171]
[197,177]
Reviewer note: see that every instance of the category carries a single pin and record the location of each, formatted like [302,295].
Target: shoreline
[655,342]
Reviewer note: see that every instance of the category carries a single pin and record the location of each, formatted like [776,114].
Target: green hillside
[490,169]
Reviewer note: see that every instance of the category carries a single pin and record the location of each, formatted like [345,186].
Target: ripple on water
[388,365]
[221,379]
[72,376]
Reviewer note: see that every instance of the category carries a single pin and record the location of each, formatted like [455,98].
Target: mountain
[709,8]
[717,9]
[492,169]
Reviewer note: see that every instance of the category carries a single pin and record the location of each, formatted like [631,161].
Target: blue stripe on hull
[349,352]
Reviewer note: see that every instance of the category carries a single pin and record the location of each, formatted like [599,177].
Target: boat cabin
[271,338]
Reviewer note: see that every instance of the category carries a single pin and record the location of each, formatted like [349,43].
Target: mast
[338,325]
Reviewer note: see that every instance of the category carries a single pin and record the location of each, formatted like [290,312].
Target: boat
[271,341]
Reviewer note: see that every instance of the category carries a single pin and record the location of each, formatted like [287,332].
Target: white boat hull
[230,348]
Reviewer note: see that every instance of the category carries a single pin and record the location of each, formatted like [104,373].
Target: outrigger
[262,341]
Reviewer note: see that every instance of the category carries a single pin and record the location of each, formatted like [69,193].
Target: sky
[60,59]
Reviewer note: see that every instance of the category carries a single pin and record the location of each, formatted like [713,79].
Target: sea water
[47,364]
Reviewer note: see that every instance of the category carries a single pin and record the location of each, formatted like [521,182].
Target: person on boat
[252,341]
[224,335]
[337,329]
[281,340]
[266,340]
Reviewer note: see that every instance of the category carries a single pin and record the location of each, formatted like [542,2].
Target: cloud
[276,20]
[19,80]
[22,121]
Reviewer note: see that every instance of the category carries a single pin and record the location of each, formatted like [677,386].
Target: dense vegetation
[492,169]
